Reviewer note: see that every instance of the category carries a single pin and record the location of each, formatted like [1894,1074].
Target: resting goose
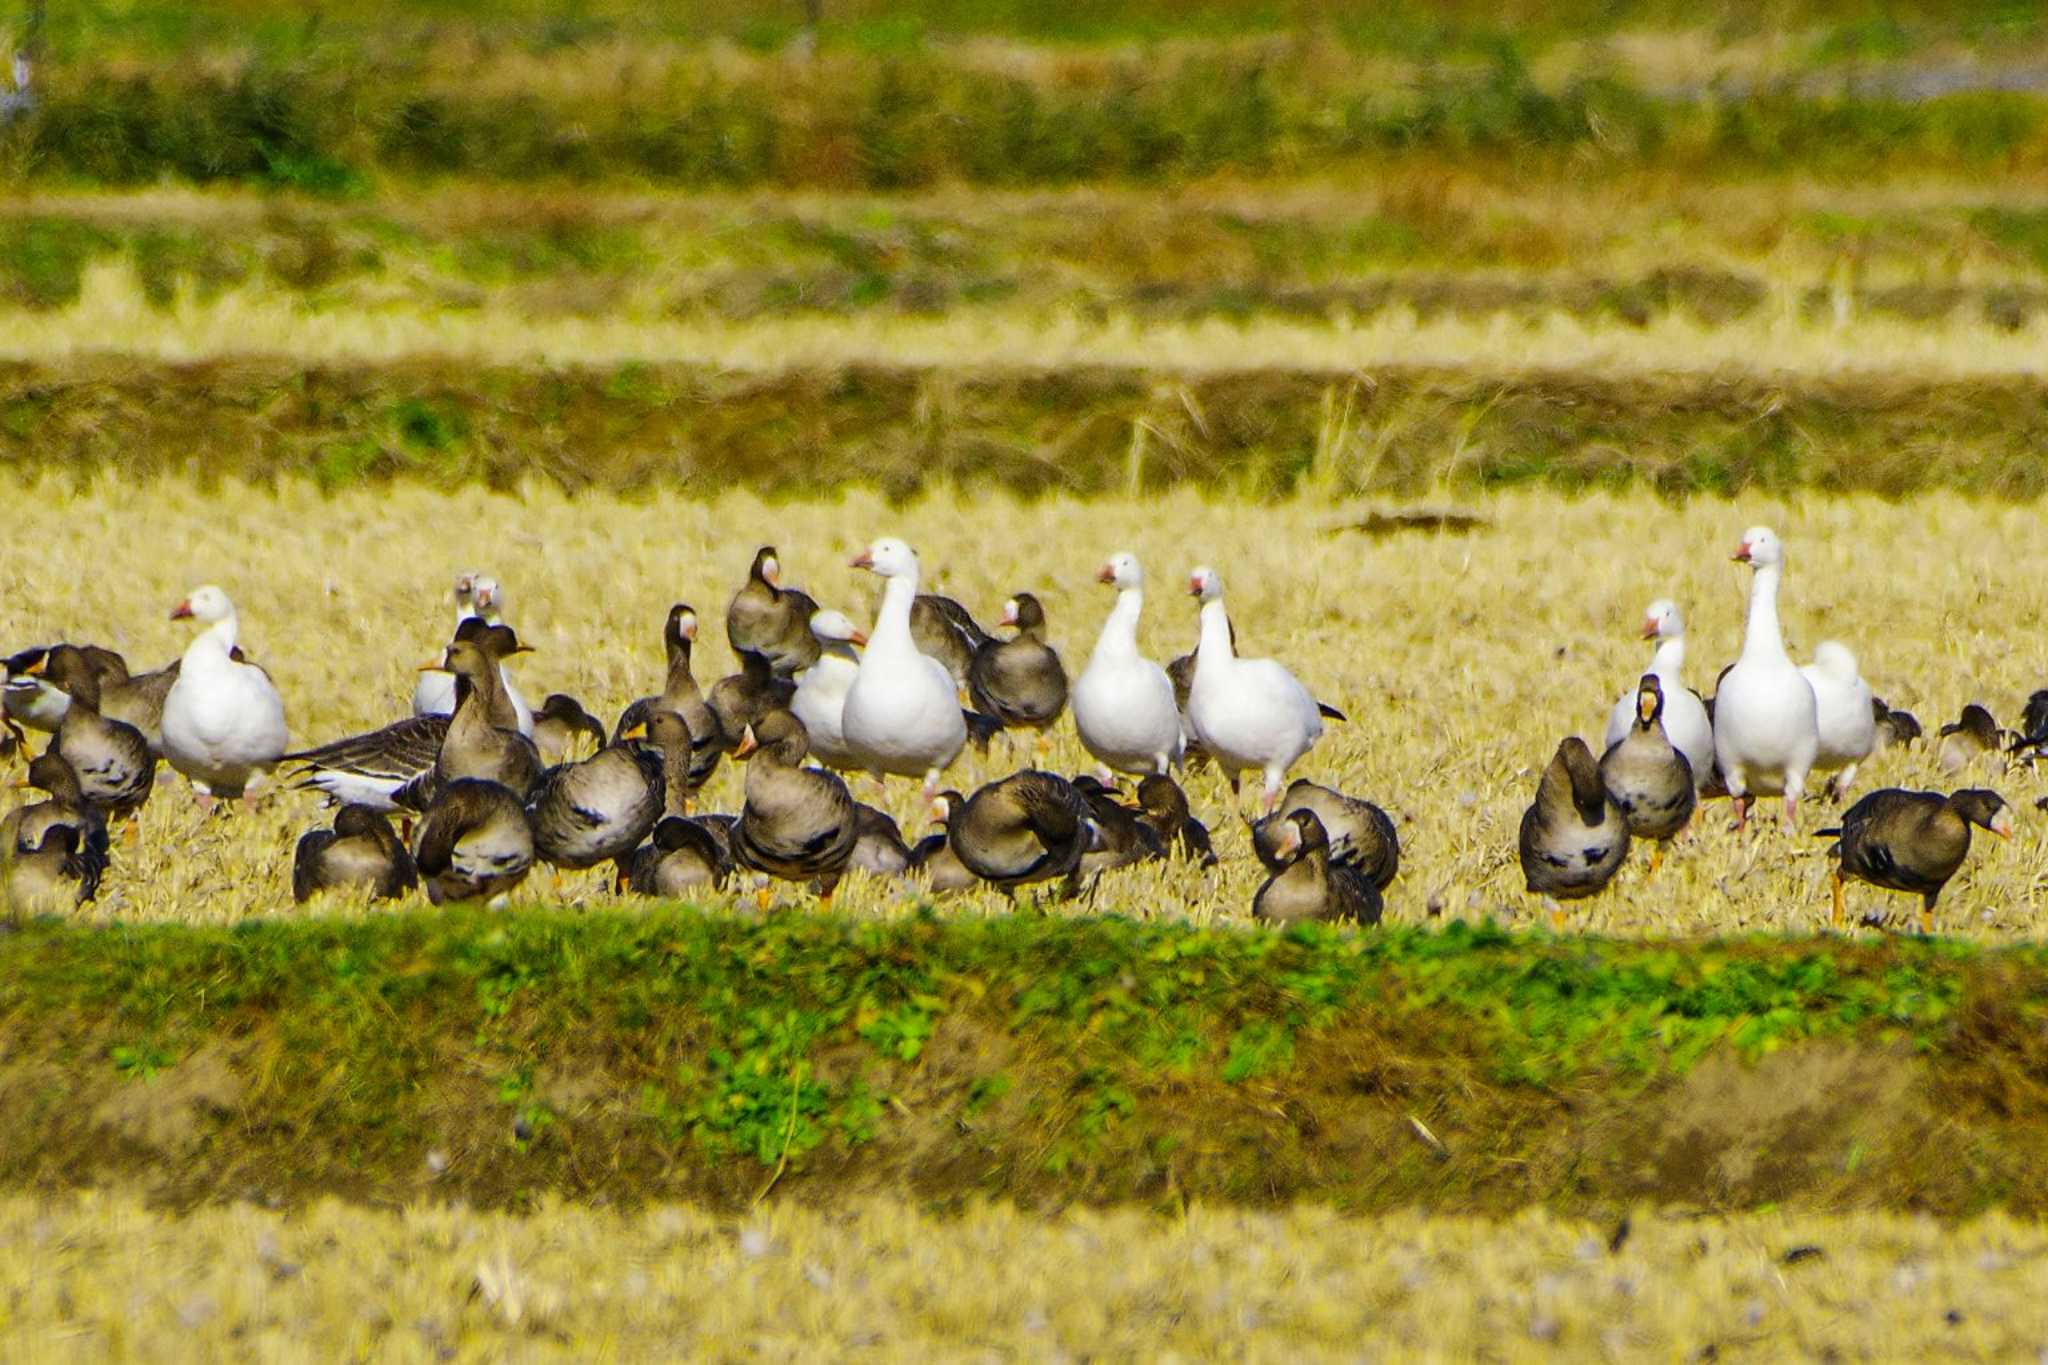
[1965,741]
[1125,705]
[25,826]
[1164,807]
[474,842]
[879,849]
[768,619]
[741,699]
[1648,776]
[948,632]
[1028,827]
[361,851]
[1361,835]
[1246,713]
[1686,721]
[680,694]
[682,856]
[54,874]
[1574,837]
[474,747]
[1911,841]
[599,810]
[1308,885]
[435,693]
[798,823]
[1766,721]
[1845,719]
[820,700]
[559,727]
[223,719]
[1020,681]
[902,713]
[116,770]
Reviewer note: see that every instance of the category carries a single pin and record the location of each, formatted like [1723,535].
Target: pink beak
[859,637]
[182,612]
[690,629]
[1649,630]
[1105,574]
[1009,617]
[1194,587]
[1741,555]
[864,560]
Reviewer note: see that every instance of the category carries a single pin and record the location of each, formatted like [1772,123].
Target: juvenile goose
[223,721]
[682,856]
[25,826]
[902,713]
[768,619]
[1361,835]
[474,747]
[1648,776]
[54,874]
[1246,713]
[1686,720]
[360,851]
[1845,720]
[743,698]
[680,694]
[879,849]
[820,700]
[1020,681]
[1965,741]
[599,810]
[799,823]
[560,726]
[948,632]
[1028,827]
[1164,807]
[1911,841]
[1125,705]
[116,770]
[1574,837]
[1766,721]
[474,842]
[1307,885]
[487,606]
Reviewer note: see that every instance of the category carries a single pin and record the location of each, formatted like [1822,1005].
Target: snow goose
[1020,681]
[1124,703]
[474,842]
[1845,720]
[1573,837]
[1308,885]
[1246,713]
[680,694]
[1964,741]
[361,851]
[1911,841]
[766,618]
[486,604]
[820,700]
[902,712]
[1648,776]
[116,770]
[1361,834]
[1686,721]
[1766,722]
[223,719]
[1028,827]
[799,823]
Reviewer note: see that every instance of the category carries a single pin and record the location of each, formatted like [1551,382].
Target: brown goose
[879,849]
[474,746]
[1573,838]
[560,726]
[25,826]
[769,619]
[138,700]
[680,694]
[933,860]
[1894,728]
[1020,681]
[360,851]
[1361,835]
[28,699]
[2032,739]
[55,874]
[115,766]
[1121,838]
[944,630]
[743,698]
[1308,885]
[1965,741]
[1647,776]
[1029,827]
[798,823]
[474,842]
[600,810]
[682,856]
[11,739]
[1911,841]
[1164,807]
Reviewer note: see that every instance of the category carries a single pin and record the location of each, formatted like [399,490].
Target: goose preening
[1246,713]
[1846,721]
[798,823]
[1766,721]
[682,856]
[116,769]
[768,619]
[360,851]
[475,747]
[1307,884]
[1360,834]
[1028,827]
[473,843]
[1969,739]
[477,597]
[1686,721]
[223,721]
[1574,837]
[29,699]
[1648,776]
[1163,806]
[1020,681]
[820,700]
[948,632]
[932,859]
[680,694]
[1125,706]
[560,726]
[599,810]
[1911,841]
[902,713]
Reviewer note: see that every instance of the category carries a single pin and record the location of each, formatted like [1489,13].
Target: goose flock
[466,794]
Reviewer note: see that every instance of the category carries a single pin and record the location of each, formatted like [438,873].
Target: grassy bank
[671,1055]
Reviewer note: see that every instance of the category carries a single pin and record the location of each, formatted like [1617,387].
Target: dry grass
[104,1278]
[1461,660]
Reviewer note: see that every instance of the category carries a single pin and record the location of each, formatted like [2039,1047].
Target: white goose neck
[1762,639]
[1669,659]
[217,641]
[1215,647]
[892,620]
[1119,637]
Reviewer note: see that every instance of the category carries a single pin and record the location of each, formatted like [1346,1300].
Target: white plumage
[1123,702]
[1686,723]
[1248,713]
[1766,725]
[902,712]
[223,719]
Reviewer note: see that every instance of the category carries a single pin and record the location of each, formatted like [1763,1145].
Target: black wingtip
[1834,832]
[1332,712]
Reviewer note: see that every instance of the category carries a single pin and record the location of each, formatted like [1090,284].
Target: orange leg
[1835,916]
[1656,857]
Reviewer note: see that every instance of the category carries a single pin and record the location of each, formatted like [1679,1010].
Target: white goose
[476,594]
[1123,702]
[1686,723]
[903,711]
[1766,725]
[1248,713]
[223,720]
[1842,702]
[820,700]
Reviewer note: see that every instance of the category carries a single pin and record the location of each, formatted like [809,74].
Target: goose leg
[1790,815]
[1656,857]
[1927,917]
[764,897]
[1835,914]
[827,887]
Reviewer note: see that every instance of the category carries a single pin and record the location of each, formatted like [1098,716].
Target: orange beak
[859,637]
[864,560]
[772,571]
[747,743]
[182,612]
[1741,555]
[689,628]
[1649,630]
[1105,574]
[2001,825]
[1194,587]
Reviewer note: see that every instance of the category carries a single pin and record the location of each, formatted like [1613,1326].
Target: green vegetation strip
[496,1057]
[1075,431]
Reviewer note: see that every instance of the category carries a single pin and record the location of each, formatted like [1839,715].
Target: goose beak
[1649,630]
[1741,555]
[638,730]
[860,638]
[689,627]
[747,743]
[864,560]
[1009,617]
[1194,587]
[183,611]
[1290,840]
[772,572]
[437,664]
[2001,825]
[1105,574]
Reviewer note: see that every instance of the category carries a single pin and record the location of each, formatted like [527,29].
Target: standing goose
[223,720]
[1164,807]
[599,810]
[1020,681]
[948,632]
[1766,721]
[769,619]
[902,713]
[487,605]
[1911,841]
[680,694]
[1574,837]
[1965,741]
[1648,776]
[360,851]
[55,874]
[798,823]
[682,856]
[116,770]
[433,693]
[820,700]
[1246,713]
[1028,827]
[1125,706]
[1844,717]
[25,826]
[474,747]
[560,725]
[1686,720]
[743,698]
[1361,835]
[474,842]
[1307,885]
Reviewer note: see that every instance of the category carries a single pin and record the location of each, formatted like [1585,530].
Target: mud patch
[174,1109]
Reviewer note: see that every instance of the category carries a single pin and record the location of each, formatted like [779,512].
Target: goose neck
[214,644]
[1119,638]
[892,621]
[1669,660]
[1215,643]
[1762,638]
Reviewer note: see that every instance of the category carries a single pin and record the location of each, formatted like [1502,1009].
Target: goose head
[1662,621]
[1760,548]
[1985,809]
[681,624]
[1023,612]
[208,605]
[889,557]
[779,735]
[836,628]
[1205,583]
[1121,571]
[1649,701]
[767,566]
[465,590]
[490,599]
